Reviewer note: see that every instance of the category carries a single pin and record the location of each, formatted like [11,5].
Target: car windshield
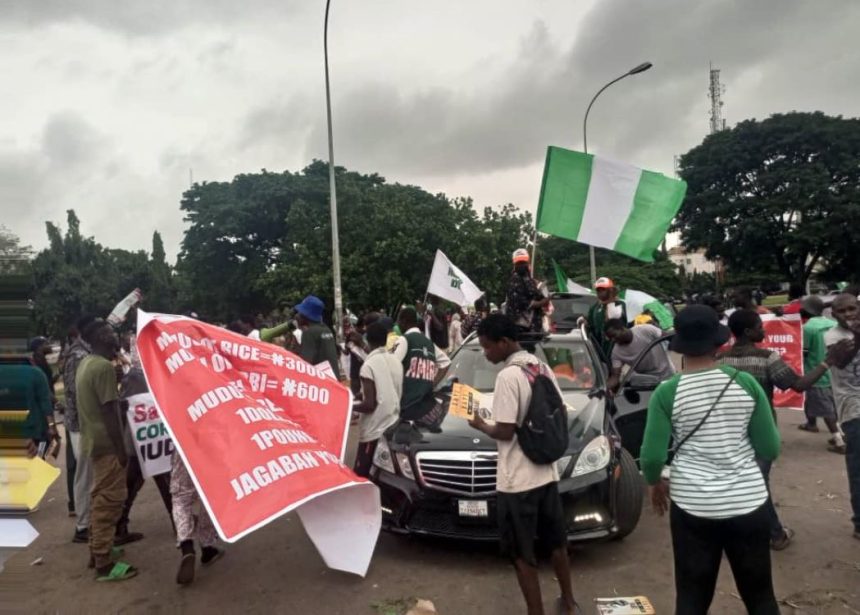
[570,361]
[568,309]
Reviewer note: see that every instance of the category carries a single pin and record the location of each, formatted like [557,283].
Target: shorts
[819,403]
[529,514]
[364,458]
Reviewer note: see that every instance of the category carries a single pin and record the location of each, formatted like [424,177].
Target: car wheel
[629,494]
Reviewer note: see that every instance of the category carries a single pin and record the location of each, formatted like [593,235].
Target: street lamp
[335,241]
[633,71]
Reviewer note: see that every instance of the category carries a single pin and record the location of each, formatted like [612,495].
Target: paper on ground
[15,534]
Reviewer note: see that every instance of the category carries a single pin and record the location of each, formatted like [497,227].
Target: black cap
[698,331]
[37,342]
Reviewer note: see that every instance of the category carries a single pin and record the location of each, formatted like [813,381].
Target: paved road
[277,569]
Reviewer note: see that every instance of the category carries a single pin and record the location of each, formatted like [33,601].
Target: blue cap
[311,308]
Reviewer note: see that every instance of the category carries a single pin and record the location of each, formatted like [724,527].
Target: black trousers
[134,482]
[699,543]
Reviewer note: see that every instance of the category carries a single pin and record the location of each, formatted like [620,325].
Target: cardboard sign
[635,605]
[261,432]
[151,439]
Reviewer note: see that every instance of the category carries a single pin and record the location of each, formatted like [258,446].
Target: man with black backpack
[530,430]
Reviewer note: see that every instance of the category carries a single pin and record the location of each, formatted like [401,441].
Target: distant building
[694,262]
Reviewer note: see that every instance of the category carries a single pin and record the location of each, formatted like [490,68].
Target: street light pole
[633,71]
[335,241]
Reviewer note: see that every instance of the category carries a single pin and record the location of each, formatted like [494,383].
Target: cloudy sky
[107,105]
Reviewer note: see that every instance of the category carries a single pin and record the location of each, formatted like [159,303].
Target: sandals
[119,572]
[185,575]
[127,538]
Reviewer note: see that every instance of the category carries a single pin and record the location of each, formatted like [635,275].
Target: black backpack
[543,435]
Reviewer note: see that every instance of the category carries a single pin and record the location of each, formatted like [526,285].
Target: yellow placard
[466,401]
[24,482]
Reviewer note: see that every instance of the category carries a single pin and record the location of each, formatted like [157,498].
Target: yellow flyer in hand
[466,401]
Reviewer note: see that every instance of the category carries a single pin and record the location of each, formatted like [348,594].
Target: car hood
[586,419]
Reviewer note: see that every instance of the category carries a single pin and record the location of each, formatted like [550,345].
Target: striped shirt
[714,473]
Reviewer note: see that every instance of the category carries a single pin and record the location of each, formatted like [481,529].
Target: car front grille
[461,472]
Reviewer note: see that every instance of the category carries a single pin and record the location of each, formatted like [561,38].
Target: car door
[630,404]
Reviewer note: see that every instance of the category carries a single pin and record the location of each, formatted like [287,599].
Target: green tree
[14,257]
[659,278]
[777,196]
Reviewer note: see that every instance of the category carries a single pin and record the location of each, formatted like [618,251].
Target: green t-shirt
[815,350]
[318,345]
[95,384]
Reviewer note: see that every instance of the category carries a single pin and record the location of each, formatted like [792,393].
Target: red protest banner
[261,432]
[785,336]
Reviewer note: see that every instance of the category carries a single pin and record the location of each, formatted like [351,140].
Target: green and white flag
[449,282]
[605,203]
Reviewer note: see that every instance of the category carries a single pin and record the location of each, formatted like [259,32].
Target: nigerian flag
[607,204]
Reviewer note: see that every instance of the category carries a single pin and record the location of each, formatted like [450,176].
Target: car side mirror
[632,396]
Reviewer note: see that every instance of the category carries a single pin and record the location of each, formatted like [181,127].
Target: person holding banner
[771,371]
[318,343]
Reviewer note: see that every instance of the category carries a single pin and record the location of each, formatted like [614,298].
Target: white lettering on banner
[276,469]
[255,415]
[178,359]
[303,390]
[212,399]
[269,437]
[240,351]
[151,438]
[780,339]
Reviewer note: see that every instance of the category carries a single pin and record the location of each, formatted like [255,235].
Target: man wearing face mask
[524,300]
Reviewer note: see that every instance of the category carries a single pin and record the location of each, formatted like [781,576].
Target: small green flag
[607,204]
[560,277]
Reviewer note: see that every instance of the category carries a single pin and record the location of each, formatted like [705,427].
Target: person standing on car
[381,388]
[608,306]
[418,356]
[628,344]
[770,370]
[524,301]
[528,500]
[722,422]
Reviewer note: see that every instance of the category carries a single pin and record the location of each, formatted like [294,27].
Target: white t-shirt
[515,472]
[386,372]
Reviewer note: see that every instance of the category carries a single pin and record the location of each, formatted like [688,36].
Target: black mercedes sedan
[440,479]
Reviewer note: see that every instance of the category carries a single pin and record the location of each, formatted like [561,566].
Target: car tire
[629,494]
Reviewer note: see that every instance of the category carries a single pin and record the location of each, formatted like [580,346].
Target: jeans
[83,482]
[698,544]
[775,525]
[851,429]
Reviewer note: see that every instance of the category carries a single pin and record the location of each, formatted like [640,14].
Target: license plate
[474,508]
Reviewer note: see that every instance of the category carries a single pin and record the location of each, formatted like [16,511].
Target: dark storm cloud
[540,98]
[143,17]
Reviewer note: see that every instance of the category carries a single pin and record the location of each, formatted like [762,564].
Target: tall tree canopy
[781,195]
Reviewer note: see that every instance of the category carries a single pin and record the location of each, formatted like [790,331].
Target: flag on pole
[606,204]
[449,282]
[560,277]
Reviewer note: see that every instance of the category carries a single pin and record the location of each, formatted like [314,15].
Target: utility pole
[715,93]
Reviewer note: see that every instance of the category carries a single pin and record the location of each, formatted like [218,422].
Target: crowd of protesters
[718,410]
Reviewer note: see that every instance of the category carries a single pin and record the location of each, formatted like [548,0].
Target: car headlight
[595,456]
[382,458]
[404,465]
[561,465]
